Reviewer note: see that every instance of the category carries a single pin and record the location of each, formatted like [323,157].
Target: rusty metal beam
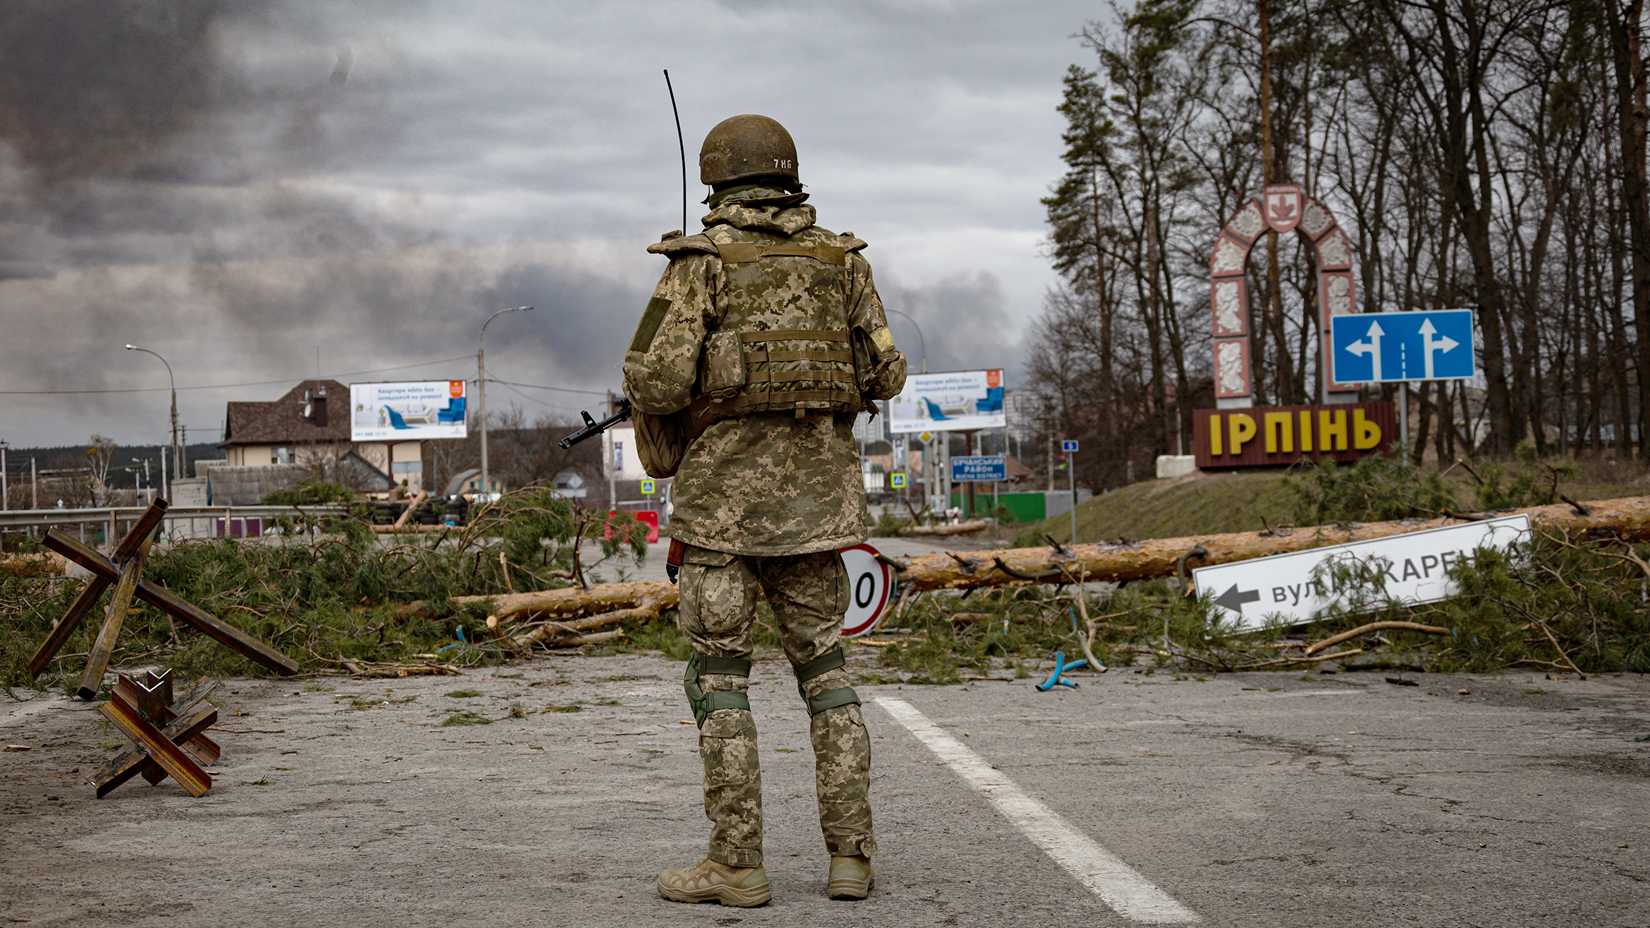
[131,760]
[207,623]
[65,626]
[202,748]
[141,530]
[158,746]
[119,601]
[88,595]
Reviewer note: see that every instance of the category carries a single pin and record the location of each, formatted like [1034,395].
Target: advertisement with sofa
[406,411]
[957,401]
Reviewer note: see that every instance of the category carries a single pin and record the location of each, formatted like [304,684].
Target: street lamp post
[4,487]
[177,456]
[481,387]
[922,343]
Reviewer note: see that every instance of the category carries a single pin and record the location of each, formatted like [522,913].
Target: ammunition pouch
[661,442]
[704,703]
[779,354]
[829,699]
[748,372]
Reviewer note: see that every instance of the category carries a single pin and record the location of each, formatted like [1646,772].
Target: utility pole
[611,466]
[481,388]
[4,505]
[1071,474]
[34,485]
[1048,417]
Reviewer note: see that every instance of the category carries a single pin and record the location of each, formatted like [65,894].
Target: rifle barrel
[592,428]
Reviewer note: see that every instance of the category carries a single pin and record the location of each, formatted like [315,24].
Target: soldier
[764,339]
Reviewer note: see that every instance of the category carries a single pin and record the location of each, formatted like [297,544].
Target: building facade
[310,426]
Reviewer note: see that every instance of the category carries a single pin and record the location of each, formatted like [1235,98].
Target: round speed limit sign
[870,587]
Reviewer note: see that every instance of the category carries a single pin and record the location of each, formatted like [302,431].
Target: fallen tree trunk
[608,604]
[43,564]
[603,597]
[961,528]
[1628,519]
[571,633]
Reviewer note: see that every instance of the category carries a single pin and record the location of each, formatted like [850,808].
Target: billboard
[958,401]
[406,411]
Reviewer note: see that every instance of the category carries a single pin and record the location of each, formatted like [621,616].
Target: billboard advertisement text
[406,411]
[958,401]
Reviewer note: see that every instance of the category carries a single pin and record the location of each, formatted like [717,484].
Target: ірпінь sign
[1294,586]
[1280,435]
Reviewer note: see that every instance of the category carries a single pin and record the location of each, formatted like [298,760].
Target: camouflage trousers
[808,594]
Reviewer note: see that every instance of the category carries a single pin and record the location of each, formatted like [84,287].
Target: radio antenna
[680,145]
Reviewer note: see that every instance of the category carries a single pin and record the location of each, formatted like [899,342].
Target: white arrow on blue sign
[1069,445]
[1393,347]
[979,467]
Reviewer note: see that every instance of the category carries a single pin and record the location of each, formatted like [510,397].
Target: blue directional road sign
[980,467]
[1067,446]
[1393,347]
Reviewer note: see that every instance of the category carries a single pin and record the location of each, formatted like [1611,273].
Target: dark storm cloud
[89,86]
[584,320]
[963,323]
[233,184]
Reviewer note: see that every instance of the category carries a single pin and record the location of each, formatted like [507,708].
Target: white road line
[1115,882]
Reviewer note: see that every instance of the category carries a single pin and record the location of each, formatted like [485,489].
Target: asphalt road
[1249,799]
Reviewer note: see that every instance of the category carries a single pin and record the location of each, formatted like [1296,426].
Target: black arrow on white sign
[1234,598]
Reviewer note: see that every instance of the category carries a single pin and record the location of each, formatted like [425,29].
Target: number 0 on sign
[870,587]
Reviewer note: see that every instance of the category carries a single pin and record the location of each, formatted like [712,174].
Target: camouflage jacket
[768,483]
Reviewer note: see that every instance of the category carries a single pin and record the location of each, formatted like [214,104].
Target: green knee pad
[704,703]
[829,699]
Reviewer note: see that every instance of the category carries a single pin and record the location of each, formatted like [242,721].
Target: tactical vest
[784,343]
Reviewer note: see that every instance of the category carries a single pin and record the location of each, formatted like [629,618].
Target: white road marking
[1115,882]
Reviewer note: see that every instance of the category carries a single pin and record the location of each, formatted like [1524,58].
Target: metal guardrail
[180,522]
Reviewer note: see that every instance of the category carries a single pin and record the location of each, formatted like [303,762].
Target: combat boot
[851,878]
[709,881]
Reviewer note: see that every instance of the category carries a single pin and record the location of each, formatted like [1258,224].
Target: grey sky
[233,185]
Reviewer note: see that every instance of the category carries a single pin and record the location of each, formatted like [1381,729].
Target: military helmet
[745,147]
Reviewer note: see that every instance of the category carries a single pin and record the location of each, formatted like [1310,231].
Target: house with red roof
[310,425]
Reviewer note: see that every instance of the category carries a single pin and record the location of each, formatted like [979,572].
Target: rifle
[592,428]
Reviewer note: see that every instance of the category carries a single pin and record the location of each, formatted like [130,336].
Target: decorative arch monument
[1280,208]
[1236,434]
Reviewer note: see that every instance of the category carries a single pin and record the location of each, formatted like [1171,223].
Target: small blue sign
[1395,347]
[986,467]
[896,481]
[649,487]
[1068,446]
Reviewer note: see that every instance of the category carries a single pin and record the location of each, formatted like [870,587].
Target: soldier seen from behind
[763,341]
